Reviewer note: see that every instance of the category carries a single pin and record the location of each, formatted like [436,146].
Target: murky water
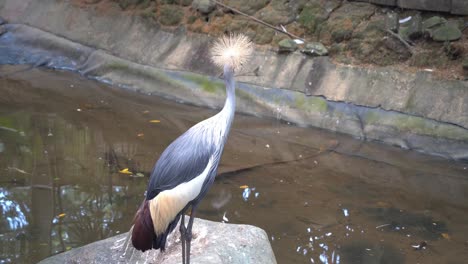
[321,197]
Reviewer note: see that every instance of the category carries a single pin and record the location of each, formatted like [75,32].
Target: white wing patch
[167,204]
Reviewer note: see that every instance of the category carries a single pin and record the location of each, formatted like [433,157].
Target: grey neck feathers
[230,104]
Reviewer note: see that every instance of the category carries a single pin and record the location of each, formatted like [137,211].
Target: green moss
[191,19]
[6,122]
[148,14]
[206,84]
[311,104]
[310,17]
[371,117]
[245,96]
[416,125]
[170,15]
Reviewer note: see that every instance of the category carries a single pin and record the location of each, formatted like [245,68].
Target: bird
[188,166]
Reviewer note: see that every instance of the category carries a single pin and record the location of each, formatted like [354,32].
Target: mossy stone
[433,22]
[170,15]
[204,6]
[315,49]
[446,32]
[287,45]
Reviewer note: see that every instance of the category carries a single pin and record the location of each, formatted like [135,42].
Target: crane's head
[230,52]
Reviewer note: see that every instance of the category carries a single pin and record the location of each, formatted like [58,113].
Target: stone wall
[457,7]
[411,110]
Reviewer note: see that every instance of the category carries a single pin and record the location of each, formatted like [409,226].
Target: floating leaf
[62,215]
[155,121]
[138,175]
[446,236]
[140,135]
[145,112]
[243,186]
[125,171]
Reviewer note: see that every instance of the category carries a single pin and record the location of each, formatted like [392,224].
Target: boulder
[315,49]
[433,22]
[212,243]
[446,32]
[2,21]
[204,6]
[287,45]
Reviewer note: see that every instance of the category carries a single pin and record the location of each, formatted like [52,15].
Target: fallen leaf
[244,186]
[125,171]
[145,112]
[62,215]
[140,135]
[446,236]
[138,175]
[155,121]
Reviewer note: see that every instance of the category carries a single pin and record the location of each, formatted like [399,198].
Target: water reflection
[57,192]
[321,197]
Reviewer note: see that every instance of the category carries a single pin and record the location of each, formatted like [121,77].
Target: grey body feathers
[187,156]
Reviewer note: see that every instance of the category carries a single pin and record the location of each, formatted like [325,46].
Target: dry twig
[407,45]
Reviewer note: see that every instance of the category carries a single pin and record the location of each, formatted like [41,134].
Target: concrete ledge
[26,45]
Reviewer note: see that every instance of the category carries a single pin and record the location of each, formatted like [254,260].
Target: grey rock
[212,243]
[2,21]
[433,22]
[2,30]
[204,6]
[315,49]
[446,32]
[287,45]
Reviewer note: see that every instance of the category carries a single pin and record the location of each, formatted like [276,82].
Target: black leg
[183,231]
[188,237]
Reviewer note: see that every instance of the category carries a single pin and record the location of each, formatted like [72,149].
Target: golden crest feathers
[233,50]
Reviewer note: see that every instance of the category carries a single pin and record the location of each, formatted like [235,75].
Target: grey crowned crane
[187,168]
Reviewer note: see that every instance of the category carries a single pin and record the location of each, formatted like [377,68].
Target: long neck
[230,104]
[227,113]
